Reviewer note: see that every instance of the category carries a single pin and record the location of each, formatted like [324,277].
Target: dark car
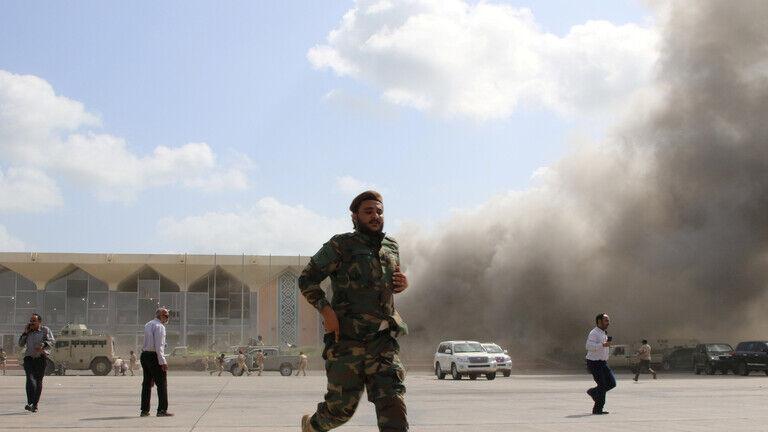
[712,357]
[679,358]
[750,356]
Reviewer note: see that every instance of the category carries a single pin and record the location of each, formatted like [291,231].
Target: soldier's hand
[399,280]
[330,321]
[39,348]
[164,367]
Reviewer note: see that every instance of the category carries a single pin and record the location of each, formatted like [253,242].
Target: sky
[229,127]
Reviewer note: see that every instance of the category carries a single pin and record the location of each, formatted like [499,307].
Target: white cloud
[41,130]
[349,185]
[483,60]
[27,190]
[9,243]
[267,227]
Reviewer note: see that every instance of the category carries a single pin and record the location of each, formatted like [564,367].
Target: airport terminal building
[221,299]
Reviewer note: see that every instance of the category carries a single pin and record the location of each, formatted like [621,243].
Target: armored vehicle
[77,348]
[274,360]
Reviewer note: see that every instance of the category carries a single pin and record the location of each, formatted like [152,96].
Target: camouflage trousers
[373,366]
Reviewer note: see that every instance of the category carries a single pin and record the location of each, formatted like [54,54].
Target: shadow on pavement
[578,415]
[109,418]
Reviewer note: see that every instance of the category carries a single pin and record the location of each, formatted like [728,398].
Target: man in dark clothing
[154,365]
[38,340]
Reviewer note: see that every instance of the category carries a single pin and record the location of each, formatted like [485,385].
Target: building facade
[216,301]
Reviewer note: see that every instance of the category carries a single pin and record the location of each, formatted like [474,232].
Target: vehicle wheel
[741,369]
[236,371]
[490,376]
[50,367]
[710,369]
[696,370]
[666,365]
[507,373]
[100,366]
[455,372]
[439,372]
[286,369]
[473,376]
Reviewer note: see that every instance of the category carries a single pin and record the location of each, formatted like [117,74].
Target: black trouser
[34,367]
[604,379]
[153,373]
[644,366]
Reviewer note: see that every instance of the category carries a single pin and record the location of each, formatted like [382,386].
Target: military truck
[78,348]
[181,358]
[274,360]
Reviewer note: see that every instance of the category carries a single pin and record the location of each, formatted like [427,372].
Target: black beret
[365,196]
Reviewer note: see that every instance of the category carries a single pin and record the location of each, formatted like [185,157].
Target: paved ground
[682,402]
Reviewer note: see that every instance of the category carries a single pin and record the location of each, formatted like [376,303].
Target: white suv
[503,360]
[463,358]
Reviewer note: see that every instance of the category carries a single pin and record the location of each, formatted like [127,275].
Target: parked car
[460,358]
[750,356]
[680,358]
[273,361]
[712,357]
[503,360]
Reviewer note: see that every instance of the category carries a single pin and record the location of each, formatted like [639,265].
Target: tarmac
[553,402]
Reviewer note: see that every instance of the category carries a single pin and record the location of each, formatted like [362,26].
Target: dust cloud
[663,225]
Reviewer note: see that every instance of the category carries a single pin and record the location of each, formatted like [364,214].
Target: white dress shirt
[595,349]
[154,339]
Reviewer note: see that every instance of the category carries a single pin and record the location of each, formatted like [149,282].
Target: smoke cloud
[664,225]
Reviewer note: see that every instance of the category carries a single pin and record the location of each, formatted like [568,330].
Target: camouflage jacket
[360,267]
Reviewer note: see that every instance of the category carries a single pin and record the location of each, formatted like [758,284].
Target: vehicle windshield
[468,347]
[719,348]
[493,349]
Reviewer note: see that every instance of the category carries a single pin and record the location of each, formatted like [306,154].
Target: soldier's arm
[320,266]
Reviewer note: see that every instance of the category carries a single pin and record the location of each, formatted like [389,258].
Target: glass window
[77,300]
[98,300]
[98,316]
[126,316]
[149,289]
[7,284]
[22,315]
[6,310]
[197,308]
[55,307]
[147,309]
[26,299]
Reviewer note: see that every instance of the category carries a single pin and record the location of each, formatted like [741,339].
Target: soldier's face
[370,216]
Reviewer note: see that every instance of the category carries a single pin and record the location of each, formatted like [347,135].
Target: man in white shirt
[154,364]
[598,348]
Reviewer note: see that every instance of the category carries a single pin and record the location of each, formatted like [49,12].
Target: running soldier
[219,365]
[644,361]
[361,323]
[132,363]
[303,360]
[3,357]
[241,366]
[258,361]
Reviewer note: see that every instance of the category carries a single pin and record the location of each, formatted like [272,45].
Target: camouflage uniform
[258,361]
[360,267]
